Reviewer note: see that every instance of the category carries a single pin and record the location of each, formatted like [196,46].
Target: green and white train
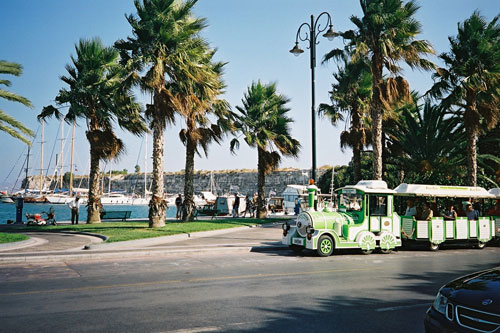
[366,219]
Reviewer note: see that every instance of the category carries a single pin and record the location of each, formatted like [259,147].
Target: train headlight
[285,227]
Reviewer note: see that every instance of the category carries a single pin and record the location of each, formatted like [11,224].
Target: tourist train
[370,216]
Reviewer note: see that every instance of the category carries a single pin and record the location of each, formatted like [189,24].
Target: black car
[468,304]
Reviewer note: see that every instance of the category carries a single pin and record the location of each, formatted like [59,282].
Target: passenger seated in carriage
[460,209]
[450,213]
[471,213]
[411,210]
[427,213]
[495,211]
[434,209]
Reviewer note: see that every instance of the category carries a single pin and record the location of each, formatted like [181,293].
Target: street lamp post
[311,36]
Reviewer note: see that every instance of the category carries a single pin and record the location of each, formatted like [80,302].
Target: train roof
[495,192]
[370,186]
[442,191]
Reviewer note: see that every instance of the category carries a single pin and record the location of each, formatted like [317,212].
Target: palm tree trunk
[358,146]
[157,205]
[261,186]
[94,201]
[471,155]
[188,206]
[376,114]
[356,161]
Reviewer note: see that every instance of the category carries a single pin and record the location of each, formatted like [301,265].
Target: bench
[207,210]
[115,214]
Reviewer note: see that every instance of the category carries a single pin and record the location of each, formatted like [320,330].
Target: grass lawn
[9,238]
[123,231]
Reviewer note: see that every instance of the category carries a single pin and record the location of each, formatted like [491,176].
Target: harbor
[63,212]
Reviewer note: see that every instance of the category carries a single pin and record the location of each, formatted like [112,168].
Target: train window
[351,201]
[378,205]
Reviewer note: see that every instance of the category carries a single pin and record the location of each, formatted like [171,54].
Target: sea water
[63,212]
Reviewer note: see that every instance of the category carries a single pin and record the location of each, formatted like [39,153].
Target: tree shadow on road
[402,309]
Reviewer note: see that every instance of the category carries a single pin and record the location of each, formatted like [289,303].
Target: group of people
[451,212]
[250,205]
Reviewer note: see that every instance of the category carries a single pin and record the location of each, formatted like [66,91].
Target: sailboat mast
[71,160]
[27,168]
[41,158]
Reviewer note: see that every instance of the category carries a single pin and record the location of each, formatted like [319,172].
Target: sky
[254,37]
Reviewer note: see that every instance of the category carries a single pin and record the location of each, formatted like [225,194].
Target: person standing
[178,204]
[75,209]
[236,205]
[248,206]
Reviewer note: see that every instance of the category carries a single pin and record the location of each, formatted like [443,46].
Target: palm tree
[8,124]
[470,81]
[264,124]
[195,100]
[99,92]
[159,30]
[385,36]
[424,142]
[351,94]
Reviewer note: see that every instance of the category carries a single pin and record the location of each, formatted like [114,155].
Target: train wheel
[480,245]
[325,246]
[387,242]
[366,241]
[434,247]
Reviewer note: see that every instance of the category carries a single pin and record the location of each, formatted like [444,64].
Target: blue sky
[252,36]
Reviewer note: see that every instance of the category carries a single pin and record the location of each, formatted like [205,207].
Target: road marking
[194,280]
[402,307]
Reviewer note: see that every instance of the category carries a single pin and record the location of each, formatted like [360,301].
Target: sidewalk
[64,246]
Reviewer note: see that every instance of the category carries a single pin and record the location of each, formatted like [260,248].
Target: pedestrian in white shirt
[75,209]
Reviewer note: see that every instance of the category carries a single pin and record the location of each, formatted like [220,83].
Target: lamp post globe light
[310,33]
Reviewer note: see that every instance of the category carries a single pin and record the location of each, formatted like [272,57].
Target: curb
[17,245]
[135,254]
[32,241]
[152,241]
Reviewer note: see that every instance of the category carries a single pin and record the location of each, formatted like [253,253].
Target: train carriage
[437,230]
[495,213]
[366,219]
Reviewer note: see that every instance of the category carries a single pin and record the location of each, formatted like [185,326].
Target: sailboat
[210,196]
[5,197]
[120,198]
[65,197]
[32,195]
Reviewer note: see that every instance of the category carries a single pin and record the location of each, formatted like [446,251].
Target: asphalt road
[233,291]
